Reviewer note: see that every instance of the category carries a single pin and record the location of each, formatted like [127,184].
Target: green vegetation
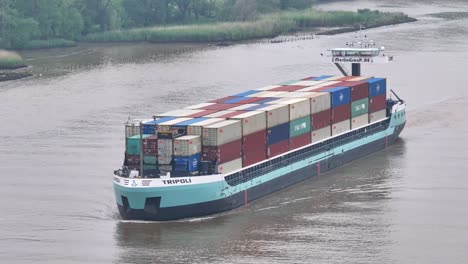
[50,43]
[269,25]
[10,60]
[58,23]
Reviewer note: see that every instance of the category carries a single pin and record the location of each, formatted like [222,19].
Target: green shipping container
[150,167]
[299,126]
[133,144]
[359,107]
[147,159]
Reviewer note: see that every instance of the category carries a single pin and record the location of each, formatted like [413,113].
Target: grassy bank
[10,60]
[51,43]
[265,26]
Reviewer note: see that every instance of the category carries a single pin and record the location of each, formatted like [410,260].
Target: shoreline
[11,75]
[22,71]
[356,28]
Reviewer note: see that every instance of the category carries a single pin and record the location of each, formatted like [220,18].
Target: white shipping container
[332,78]
[252,121]
[341,127]
[267,94]
[359,121]
[187,145]
[298,107]
[377,116]
[181,112]
[276,114]
[359,78]
[296,95]
[242,107]
[164,160]
[309,88]
[198,106]
[132,130]
[165,147]
[132,127]
[196,128]
[222,132]
[321,134]
[166,126]
[327,83]
[266,88]
[319,102]
[308,83]
[230,166]
[220,113]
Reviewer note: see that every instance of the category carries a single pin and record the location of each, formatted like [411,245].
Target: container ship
[223,154]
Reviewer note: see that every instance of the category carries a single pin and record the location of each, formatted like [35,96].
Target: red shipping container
[219,107]
[131,160]
[278,148]
[341,113]
[359,90]
[308,78]
[220,100]
[321,89]
[299,141]
[321,119]
[253,157]
[204,113]
[377,103]
[224,153]
[288,88]
[150,145]
[253,148]
[234,113]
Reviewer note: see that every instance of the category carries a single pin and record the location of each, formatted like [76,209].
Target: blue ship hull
[177,198]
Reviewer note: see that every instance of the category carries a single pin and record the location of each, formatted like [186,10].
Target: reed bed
[270,25]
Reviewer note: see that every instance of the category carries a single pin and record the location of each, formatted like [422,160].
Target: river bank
[266,26]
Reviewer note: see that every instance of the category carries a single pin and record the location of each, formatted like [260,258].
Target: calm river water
[62,135]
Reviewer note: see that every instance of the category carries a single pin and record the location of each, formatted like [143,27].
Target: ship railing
[303,153]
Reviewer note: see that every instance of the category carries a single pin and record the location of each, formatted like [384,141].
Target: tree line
[24,21]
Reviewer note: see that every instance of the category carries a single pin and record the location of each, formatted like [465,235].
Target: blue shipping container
[277,133]
[191,121]
[266,100]
[322,77]
[187,163]
[247,93]
[377,86]
[339,95]
[150,127]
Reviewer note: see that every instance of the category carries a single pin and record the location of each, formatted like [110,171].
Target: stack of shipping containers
[340,109]
[253,125]
[359,103]
[187,154]
[222,144]
[377,99]
[277,139]
[241,130]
